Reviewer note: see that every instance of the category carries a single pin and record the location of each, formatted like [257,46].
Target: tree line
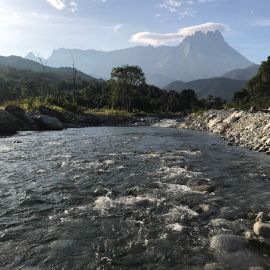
[126,90]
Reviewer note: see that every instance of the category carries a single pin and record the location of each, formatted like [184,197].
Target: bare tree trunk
[74,77]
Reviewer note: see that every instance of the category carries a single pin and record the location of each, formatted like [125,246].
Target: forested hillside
[257,92]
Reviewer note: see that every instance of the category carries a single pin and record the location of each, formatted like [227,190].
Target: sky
[40,26]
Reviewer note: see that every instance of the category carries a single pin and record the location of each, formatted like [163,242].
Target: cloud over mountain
[156,39]
[58,4]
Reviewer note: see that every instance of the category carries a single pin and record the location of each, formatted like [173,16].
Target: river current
[121,198]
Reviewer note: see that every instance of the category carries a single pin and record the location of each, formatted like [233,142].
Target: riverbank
[14,119]
[251,130]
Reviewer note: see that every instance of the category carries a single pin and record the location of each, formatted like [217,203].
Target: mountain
[198,56]
[19,63]
[242,74]
[218,87]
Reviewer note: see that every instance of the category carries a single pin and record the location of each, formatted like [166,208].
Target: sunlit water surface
[120,198]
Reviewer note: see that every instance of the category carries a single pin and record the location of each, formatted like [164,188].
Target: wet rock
[43,110]
[233,252]
[225,244]
[9,124]
[16,111]
[204,188]
[207,208]
[214,266]
[45,122]
[262,229]
[250,235]
[222,223]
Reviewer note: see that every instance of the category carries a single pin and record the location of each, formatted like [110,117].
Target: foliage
[258,90]
[126,92]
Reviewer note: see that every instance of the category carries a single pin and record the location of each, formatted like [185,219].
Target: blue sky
[43,25]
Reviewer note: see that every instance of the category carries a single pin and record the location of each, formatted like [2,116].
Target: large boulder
[225,244]
[18,112]
[46,122]
[43,110]
[234,253]
[9,124]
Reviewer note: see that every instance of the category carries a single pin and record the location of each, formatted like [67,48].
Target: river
[121,198]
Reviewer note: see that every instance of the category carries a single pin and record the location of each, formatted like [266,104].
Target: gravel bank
[251,130]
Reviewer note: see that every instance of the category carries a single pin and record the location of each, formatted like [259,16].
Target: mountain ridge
[218,87]
[198,56]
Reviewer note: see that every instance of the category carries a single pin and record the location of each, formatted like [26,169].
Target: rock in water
[233,252]
[16,111]
[203,188]
[9,124]
[262,229]
[225,244]
[45,122]
[43,110]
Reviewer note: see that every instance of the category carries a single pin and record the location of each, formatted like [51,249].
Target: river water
[120,198]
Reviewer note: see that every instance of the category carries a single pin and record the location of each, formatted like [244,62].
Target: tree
[130,75]
[124,82]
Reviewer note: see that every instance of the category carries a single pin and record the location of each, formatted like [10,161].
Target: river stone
[225,244]
[262,229]
[9,124]
[48,123]
[220,222]
[203,188]
[214,266]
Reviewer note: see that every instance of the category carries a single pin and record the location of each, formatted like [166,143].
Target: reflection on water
[122,198]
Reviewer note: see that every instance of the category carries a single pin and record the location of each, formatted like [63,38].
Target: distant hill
[19,63]
[202,55]
[218,87]
[242,74]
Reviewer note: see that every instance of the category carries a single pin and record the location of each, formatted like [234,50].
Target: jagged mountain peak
[201,55]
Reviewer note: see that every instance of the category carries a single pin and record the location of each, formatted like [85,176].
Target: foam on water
[180,212]
[166,123]
[175,227]
[175,188]
[105,202]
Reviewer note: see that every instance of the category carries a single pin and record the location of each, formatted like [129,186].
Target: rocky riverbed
[251,130]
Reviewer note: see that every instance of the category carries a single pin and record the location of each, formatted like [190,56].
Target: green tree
[125,82]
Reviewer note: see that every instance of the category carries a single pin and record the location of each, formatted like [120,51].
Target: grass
[109,112]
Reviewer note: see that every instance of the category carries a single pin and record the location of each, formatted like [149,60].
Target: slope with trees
[257,92]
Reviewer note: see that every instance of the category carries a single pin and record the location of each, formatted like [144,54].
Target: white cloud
[73,6]
[117,27]
[265,22]
[183,8]
[61,4]
[156,39]
[58,4]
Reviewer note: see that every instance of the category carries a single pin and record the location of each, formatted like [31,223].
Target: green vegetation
[125,93]
[257,92]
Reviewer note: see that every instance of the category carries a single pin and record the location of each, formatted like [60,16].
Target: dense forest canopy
[257,92]
[126,90]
